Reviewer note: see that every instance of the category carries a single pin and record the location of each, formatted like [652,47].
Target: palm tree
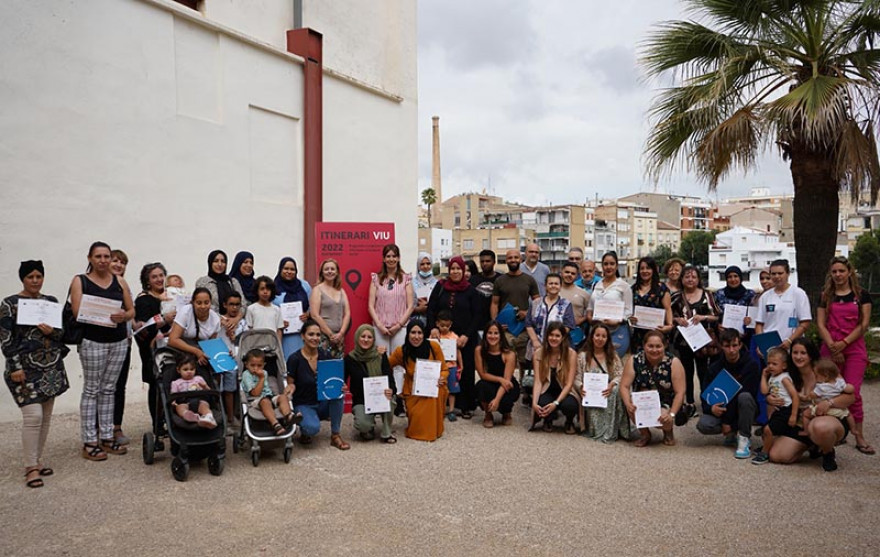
[802,75]
[429,197]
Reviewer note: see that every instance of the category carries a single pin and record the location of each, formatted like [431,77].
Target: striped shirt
[391,300]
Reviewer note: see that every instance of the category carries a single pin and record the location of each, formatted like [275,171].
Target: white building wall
[125,121]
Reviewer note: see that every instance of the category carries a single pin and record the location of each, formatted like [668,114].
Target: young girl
[264,314]
[781,381]
[260,395]
[829,384]
[444,325]
[195,409]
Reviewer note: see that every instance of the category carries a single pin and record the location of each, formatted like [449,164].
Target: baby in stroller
[254,382]
[196,410]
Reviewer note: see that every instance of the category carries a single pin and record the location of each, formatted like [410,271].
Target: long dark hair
[590,350]
[655,274]
[502,341]
[812,353]
[398,276]
[196,292]
[544,372]
[613,255]
[92,248]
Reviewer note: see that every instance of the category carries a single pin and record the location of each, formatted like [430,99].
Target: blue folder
[331,377]
[218,354]
[765,341]
[507,316]
[576,336]
[721,390]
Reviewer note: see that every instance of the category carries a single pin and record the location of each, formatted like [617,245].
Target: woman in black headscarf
[220,285]
[290,289]
[737,295]
[243,272]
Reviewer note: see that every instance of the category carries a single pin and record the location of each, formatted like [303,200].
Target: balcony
[551,235]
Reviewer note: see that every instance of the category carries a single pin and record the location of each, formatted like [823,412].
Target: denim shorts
[227,382]
[452,381]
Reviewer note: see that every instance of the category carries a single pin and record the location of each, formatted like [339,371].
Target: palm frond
[816,109]
[856,161]
[734,143]
[686,46]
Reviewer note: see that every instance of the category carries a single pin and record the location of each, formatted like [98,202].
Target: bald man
[589,276]
[532,266]
[517,289]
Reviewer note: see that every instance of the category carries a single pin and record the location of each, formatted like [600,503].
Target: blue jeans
[314,413]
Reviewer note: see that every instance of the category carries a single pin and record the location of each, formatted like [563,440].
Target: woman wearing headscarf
[34,370]
[290,289]
[220,285]
[362,362]
[423,284]
[424,414]
[243,272]
[735,294]
[458,295]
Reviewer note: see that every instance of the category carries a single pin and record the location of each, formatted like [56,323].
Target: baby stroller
[255,428]
[188,440]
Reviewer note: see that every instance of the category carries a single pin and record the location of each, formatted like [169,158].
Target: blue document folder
[218,354]
[331,377]
[507,316]
[721,390]
[766,341]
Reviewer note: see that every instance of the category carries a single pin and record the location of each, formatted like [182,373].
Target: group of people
[528,332]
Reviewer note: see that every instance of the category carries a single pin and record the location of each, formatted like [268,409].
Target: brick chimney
[436,213]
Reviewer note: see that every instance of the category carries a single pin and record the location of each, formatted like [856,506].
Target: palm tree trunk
[815,209]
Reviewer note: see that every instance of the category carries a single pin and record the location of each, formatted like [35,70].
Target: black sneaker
[691,410]
[814,452]
[829,463]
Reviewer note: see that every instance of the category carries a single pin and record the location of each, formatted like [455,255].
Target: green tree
[866,258]
[748,75]
[694,247]
[662,254]
[429,197]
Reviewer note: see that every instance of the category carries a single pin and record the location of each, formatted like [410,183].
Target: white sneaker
[743,447]
[207,421]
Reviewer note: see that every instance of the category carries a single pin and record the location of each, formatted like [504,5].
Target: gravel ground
[475,491]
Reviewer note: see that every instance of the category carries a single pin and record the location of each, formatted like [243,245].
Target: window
[422,241]
[744,257]
[485,243]
[722,258]
[467,245]
[506,243]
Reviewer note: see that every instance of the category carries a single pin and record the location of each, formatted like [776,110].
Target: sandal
[643,441]
[33,482]
[866,449]
[488,421]
[337,441]
[548,426]
[120,437]
[390,440]
[110,446]
[669,439]
[93,452]
[46,471]
[279,429]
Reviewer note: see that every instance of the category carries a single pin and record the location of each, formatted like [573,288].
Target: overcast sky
[544,98]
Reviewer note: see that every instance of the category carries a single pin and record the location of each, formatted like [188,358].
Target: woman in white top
[194,322]
[785,309]
[612,287]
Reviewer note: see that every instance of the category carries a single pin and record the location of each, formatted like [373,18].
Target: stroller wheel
[255,457]
[288,451]
[179,469]
[215,465]
[159,445]
[236,444]
[149,447]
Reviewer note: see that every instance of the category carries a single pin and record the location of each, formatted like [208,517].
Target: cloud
[616,67]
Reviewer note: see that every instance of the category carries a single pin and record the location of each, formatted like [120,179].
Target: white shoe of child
[207,421]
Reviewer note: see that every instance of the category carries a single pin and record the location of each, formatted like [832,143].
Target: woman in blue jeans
[302,387]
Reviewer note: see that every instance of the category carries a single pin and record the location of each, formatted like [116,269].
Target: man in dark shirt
[484,284]
[741,412]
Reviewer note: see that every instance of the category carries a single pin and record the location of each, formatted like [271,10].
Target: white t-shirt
[783,312]
[775,387]
[207,328]
[264,317]
[618,291]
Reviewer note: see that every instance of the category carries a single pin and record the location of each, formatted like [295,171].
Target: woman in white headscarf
[423,283]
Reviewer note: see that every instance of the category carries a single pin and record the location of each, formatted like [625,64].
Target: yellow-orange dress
[425,414]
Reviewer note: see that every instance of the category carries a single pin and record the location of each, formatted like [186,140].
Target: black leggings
[119,393]
[148,376]
[465,399]
[688,359]
[568,406]
[487,390]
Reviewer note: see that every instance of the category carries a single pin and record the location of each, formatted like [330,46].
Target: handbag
[73,331]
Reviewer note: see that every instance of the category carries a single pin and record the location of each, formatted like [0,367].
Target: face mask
[425,274]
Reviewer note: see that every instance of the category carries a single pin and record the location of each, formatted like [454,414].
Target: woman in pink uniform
[842,317]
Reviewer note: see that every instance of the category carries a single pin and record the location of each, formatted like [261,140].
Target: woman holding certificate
[612,303]
[34,365]
[555,369]
[653,297]
[425,372]
[609,422]
[391,299]
[330,309]
[694,307]
[652,389]
[366,363]
[291,289]
[102,303]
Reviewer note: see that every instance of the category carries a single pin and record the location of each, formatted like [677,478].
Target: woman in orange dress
[425,414]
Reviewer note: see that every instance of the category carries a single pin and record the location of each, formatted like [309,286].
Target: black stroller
[188,440]
[255,428]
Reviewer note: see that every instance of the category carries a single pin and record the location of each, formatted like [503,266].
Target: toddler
[227,381]
[777,381]
[829,384]
[264,314]
[195,409]
[259,394]
[444,326]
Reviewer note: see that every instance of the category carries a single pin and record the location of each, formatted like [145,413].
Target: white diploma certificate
[733,317]
[155,320]
[751,313]
[695,335]
[399,375]
[450,350]
[427,375]
[291,313]
[647,405]
[649,318]
[95,310]
[34,312]
[423,292]
[594,384]
[608,310]
[375,401]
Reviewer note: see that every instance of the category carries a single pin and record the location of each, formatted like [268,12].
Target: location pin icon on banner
[353,279]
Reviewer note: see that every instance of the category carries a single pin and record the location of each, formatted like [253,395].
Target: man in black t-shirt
[517,289]
[484,284]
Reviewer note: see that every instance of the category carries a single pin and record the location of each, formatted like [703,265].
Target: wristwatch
[672,414]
